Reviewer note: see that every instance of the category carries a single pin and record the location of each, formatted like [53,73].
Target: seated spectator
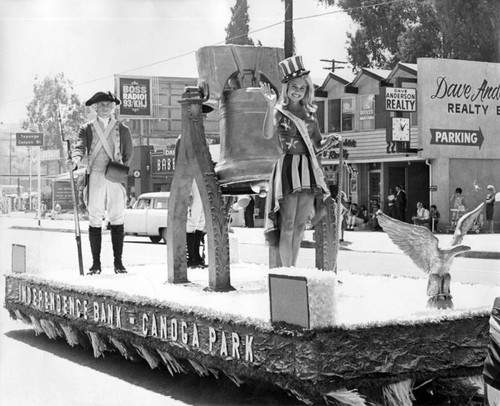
[423,216]
[435,216]
[373,222]
[363,213]
[355,217]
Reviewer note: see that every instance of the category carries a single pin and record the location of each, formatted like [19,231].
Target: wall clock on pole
[400,129]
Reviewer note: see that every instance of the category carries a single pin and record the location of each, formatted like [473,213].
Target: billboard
[459,106]
[135,95]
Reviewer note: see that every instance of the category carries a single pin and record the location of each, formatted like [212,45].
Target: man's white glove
[73,164]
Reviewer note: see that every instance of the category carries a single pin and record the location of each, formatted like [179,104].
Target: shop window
[348,110]
[333,115]
[367,112]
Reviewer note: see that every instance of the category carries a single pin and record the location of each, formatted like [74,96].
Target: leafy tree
[237,29]
[42,111]
[469,29]
[405,30]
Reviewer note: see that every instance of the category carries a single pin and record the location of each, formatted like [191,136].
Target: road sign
[472,138]
[29,139]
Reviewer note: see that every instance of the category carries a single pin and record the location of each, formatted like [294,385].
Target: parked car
[148,216]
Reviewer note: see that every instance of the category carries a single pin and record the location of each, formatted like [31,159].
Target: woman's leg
[288,209]
[304,206]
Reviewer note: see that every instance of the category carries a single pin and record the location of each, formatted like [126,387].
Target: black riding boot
[95,238]
[198,238]
[191,255]
[117,235]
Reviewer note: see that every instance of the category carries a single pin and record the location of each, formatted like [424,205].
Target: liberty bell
[233,73]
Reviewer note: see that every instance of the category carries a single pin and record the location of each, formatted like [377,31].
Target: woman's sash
[301,126]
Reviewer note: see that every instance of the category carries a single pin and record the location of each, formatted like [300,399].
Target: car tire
[163,233]
[156,239]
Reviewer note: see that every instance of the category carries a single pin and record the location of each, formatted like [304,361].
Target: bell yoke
[105,140]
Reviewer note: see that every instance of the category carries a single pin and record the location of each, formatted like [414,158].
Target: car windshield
[160,203]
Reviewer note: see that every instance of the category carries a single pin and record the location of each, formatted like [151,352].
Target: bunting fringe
[20,316]
[150,358]
[301,397]
[237,381]
[71,335]
[124,350]
[199,368]
[51,329]
[98,345]
[171,363]
[399,394]
[36,325]
[345,397]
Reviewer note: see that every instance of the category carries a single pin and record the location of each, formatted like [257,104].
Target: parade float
[324,335]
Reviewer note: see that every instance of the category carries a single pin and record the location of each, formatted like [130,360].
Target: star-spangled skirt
[290,174]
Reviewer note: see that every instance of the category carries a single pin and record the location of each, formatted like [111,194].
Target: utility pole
[334,64]
[289,45]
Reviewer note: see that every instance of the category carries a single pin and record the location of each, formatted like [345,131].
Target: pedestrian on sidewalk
[391,201]
[103,140]
[249,212]
[459,208]
[400,204]
[490,208]
[297,176]
[435,216]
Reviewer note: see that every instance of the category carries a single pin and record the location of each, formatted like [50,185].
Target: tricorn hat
[292,68]
[102,96]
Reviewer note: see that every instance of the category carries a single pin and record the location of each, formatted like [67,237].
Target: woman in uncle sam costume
[297,176]
[104,139]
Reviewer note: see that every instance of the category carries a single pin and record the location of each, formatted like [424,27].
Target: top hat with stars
[292,68]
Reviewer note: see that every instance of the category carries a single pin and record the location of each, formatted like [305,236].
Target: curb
[468,254]
[304,244]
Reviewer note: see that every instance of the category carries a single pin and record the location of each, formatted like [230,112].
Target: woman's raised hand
[268,93]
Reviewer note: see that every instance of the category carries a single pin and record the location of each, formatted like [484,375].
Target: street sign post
[32,139]
[29,139]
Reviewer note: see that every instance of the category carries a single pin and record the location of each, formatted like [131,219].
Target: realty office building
[431,126]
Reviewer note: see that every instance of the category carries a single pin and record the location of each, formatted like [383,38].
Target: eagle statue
[422,246]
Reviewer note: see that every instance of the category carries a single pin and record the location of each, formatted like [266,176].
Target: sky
[90,41]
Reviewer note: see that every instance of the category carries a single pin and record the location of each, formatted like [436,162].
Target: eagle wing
[415,241]
[464,224]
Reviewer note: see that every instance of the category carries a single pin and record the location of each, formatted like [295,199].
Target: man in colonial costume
[104,140]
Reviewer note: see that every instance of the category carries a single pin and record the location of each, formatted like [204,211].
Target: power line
[382,3]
